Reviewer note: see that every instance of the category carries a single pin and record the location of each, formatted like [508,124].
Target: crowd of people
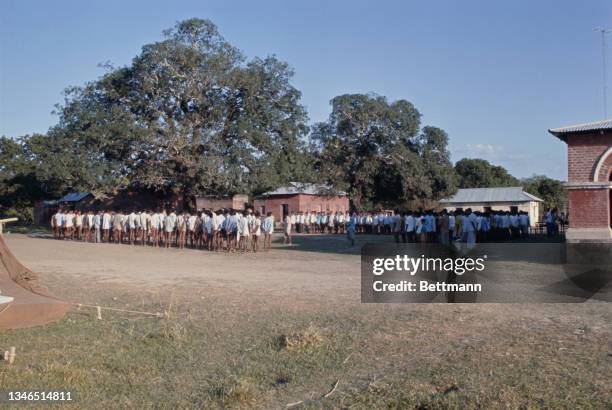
[245,231]
[227,230]
[418,226]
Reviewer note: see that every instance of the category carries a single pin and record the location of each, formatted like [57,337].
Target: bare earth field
[287,329]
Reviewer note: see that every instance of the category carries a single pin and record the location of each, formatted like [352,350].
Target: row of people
[427,226]
[226,229]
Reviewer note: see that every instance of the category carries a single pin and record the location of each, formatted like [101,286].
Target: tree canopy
[377,152]
[480,173]
[550,190]
[190,115]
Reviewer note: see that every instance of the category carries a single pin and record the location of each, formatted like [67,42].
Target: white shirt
[132,220]
[155,221]
[169,223]
[144,219]
[191,222]
[106,221]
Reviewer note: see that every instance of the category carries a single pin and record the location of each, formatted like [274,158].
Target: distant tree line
[190,115]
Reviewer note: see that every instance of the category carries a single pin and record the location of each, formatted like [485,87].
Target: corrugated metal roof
[589,126]
[74,197]
[295,188]
[501,194]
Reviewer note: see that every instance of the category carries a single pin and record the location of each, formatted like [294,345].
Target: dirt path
[281,270]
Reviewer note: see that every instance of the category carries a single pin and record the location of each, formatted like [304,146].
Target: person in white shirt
[244,232]
[192,221]
[181,229]
[451,226]
[173,217]
[106,226]
[69,225]
[221,234]
[144,228]
[470,227]
[131,226]
[78,224]
[169,228]
[256,231]
[287,230]
[301,222]
[342,220]
[89,222]
[117,226]
[154,228]
[307,222]
[419,228]
[57,222]
[269,231]
[330,222]
[294,220]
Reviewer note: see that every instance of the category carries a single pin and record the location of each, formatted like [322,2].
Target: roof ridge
[583,124]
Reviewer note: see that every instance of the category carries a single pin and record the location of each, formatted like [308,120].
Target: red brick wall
[301,203]
[236,202]
[584,151]
[589,208]
[323,204]
[274,205]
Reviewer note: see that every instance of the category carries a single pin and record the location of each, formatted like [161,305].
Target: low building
[210,202]
[300,197]
[76,198]
[589,180]
[496,199]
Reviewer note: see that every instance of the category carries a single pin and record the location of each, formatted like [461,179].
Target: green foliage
[189,115]
[376,151]
[480,173]
[550,190]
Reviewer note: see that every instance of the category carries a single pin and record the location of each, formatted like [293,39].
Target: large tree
[480,173]
[376,151]
[550,190]
[190,115]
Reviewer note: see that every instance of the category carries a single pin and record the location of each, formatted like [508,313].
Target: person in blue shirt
[268,228]
[351,229]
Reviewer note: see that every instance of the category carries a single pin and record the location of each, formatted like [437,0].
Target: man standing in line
[97,225]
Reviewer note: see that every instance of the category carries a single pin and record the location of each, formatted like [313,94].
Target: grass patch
[309,338]
[248,352]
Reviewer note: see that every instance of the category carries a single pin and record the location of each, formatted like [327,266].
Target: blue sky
[494,74]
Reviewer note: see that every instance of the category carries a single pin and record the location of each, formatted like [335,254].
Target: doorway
[285,210]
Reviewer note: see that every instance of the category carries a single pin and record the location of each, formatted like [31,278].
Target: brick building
[589,166]
[300,197]
[237,202]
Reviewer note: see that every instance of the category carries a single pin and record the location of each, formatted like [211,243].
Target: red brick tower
[589,166]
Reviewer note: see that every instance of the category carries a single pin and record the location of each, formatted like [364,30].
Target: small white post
[99,310]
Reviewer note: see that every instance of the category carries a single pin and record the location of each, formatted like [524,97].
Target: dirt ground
[286,328]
